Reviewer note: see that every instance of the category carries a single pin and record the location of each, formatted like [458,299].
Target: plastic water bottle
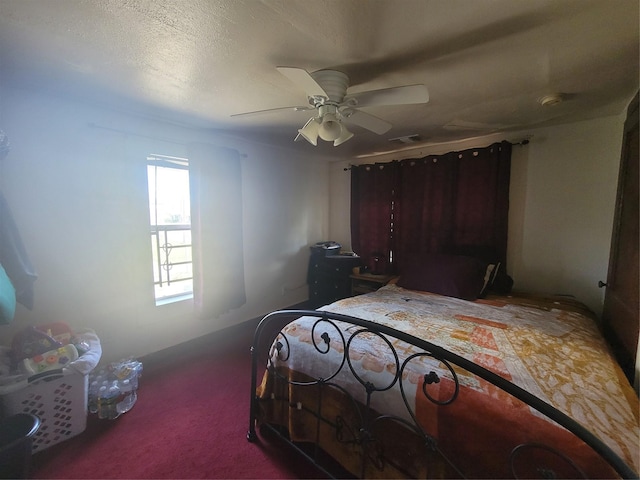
[128,389]
[107,402]
[92,403]
[113,389]
[100,399]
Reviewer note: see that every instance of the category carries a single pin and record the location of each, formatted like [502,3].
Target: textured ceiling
[486,63]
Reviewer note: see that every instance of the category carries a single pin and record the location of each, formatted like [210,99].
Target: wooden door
[621,306]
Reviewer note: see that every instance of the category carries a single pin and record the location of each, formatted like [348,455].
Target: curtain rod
[135,134]
[142,135]
[524,141]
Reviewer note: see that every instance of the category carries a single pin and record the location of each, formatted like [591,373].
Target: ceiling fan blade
[272,110]
[366,120]
[409,94]
[304,80]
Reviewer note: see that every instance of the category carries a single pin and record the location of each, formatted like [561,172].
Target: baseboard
[185,350]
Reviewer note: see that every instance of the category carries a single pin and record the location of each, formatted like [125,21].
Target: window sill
[174,299]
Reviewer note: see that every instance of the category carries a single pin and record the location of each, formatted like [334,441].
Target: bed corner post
[251,434]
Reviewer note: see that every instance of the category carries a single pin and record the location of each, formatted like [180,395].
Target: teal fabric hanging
[7,298]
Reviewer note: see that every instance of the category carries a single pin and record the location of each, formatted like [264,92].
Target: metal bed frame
[364,436]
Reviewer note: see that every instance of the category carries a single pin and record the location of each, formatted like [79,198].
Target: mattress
[549,346]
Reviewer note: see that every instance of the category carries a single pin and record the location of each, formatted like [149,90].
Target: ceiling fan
[327,95]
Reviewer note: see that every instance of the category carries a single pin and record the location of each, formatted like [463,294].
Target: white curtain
[216,225]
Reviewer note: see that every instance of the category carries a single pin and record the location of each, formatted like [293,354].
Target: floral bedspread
[551,347]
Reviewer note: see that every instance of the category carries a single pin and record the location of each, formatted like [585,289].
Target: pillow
[450,275]
[495,277]
[483,252]
[7,298]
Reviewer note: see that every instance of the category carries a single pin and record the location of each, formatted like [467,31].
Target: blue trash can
[16,437]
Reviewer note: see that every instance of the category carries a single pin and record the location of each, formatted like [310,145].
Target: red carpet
[190,421]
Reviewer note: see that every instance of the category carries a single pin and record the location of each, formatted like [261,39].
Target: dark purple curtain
[372,203]
[424,208]
[482,198]
[443,203]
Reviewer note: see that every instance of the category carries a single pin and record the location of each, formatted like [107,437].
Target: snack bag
[31,342]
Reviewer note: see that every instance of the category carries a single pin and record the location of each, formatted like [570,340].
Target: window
[170,221]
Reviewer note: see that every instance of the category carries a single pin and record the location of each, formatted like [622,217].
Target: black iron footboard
[364,435]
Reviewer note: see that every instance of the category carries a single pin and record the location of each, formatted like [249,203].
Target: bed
[412,383]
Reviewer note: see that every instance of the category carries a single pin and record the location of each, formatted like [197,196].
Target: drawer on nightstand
[328,278]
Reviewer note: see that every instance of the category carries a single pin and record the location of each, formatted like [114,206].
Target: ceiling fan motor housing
[334,83]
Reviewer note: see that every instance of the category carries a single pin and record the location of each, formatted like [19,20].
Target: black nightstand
[367,282]
[328,278]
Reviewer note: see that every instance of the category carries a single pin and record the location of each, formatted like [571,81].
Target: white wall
[79,198]
[562,200]
[567,201]
[80,204]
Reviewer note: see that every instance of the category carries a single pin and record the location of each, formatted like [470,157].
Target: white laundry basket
[60,403]
[58,398]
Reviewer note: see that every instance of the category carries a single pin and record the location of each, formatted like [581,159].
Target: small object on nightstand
[377,263]
[368,282]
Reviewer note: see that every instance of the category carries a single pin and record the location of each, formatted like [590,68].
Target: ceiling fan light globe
[344,136]
[310,132]
[331,129]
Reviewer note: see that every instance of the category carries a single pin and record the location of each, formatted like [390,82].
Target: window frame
[161,251]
